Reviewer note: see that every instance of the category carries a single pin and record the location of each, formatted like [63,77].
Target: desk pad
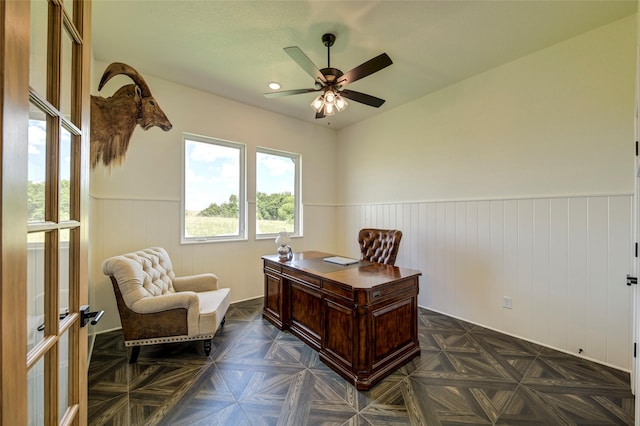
[319,265]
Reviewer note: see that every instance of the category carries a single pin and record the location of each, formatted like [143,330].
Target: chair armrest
[186,300]
[197,283]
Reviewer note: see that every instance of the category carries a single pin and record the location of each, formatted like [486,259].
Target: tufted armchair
[155,306]
[379,245]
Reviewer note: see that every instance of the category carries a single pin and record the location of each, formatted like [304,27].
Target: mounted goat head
[114,119]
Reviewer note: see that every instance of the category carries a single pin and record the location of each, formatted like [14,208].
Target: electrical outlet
[506,302]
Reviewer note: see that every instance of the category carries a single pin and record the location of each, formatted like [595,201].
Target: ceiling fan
[331,81]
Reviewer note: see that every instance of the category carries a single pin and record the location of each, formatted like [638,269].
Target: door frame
[14,116]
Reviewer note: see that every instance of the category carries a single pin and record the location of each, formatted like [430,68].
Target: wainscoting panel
[562,261]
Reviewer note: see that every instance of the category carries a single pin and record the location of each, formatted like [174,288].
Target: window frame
[297,218]
[242,190]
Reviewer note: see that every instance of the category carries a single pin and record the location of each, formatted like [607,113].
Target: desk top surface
[358,275]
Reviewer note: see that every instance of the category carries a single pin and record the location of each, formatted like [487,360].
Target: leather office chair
[155,306]
[379,245]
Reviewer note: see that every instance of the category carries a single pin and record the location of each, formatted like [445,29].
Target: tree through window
[277,192]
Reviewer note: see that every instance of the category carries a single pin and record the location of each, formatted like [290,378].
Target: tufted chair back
[144,273]
[379,245]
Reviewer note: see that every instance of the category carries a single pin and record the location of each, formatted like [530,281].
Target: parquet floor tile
[259,375]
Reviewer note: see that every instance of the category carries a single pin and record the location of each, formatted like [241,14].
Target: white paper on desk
[341,260]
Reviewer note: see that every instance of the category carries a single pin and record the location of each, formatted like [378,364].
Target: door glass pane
[65,175]
[35,392]
[64,272]
[35,289]
[36,168]
[63,376]
[68,6]
[38,50]
[66,70]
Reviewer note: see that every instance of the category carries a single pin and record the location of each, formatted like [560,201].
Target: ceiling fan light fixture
[329,102]
[329,109]
[329,97]
[341,103]
[318,103]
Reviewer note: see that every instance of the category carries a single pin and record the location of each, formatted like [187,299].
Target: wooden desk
[361,318]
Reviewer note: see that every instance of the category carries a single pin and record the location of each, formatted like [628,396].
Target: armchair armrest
[187,300]
[197,283]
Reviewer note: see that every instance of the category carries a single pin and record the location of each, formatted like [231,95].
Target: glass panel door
[56,223]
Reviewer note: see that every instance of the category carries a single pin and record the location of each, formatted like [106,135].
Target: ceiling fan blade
[288,92]
[372,65]
[363,98]
[305,63]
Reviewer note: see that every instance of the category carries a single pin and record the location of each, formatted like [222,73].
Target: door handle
[62,316]
[631,280]
[86,316]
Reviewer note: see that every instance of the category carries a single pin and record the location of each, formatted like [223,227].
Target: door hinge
[635,250]
[635,347]
[636,148]
[631,280]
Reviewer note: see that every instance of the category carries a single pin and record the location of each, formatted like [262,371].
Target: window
[213,202]
[278,198]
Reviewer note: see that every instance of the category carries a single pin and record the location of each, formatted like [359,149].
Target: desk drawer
[333,289]
[398,289]
[301,276]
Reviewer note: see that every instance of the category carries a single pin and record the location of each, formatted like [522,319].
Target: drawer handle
[377,294]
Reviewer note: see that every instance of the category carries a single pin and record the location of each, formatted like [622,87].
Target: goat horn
[119,68]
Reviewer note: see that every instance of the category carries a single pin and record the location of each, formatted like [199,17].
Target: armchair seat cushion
[212,303]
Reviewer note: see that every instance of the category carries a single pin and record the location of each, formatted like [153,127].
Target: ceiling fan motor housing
[331,74]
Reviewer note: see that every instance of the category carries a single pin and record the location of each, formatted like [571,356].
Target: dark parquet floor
[258,375]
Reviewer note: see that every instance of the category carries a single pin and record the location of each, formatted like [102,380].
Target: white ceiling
[234,48]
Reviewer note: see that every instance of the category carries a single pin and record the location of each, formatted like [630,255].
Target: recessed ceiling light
[274,86]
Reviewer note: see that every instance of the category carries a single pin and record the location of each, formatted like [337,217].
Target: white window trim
[242,196]
[297,220]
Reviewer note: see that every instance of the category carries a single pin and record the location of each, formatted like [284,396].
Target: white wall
[516,182]
[558,122]
[137,205]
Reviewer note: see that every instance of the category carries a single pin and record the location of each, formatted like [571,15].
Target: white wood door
[45,144]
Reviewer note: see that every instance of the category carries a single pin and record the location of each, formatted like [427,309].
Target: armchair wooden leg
[207,347]
[135,351]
